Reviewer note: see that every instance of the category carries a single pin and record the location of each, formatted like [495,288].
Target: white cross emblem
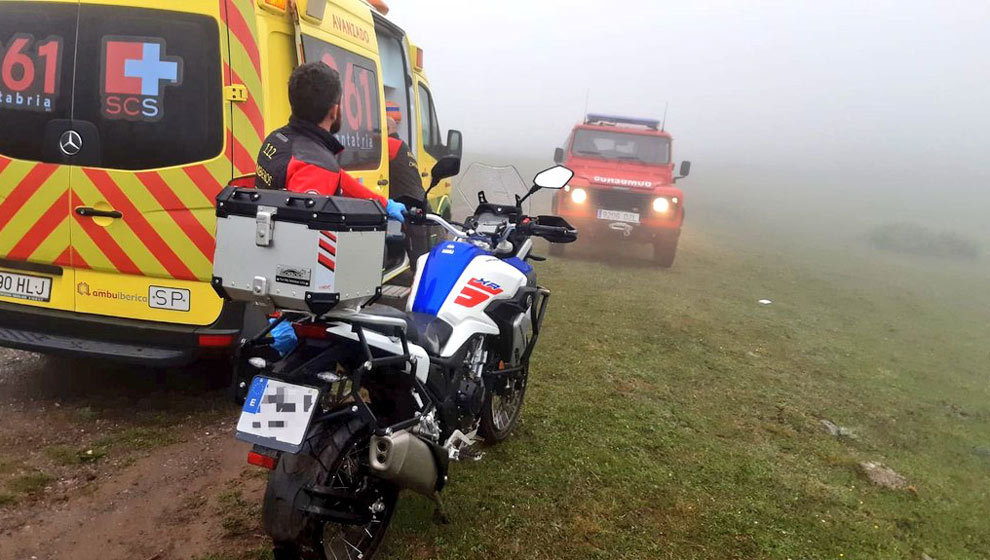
[151,69]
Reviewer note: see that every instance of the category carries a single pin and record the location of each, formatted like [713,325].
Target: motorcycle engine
[463,408]
[470,397]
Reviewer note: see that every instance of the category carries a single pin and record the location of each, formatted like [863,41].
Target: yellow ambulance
[122,119]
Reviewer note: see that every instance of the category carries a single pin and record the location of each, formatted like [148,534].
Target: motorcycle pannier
[298,251]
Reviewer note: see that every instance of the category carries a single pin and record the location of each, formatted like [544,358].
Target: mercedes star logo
[70,142]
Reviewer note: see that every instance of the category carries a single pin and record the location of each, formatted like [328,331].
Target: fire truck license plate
[277,414]
[618,216]
[24,286]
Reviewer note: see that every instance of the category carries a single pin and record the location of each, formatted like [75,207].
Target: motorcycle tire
[498,421]
[331,451]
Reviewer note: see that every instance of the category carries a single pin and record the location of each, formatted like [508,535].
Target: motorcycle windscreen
[500,183]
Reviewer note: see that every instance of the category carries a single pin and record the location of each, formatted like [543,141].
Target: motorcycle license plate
[276,414]
[618,216]
[25,286]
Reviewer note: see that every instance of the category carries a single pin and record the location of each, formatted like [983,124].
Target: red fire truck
[624,184]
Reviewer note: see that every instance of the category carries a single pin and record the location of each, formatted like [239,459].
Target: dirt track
[110,462]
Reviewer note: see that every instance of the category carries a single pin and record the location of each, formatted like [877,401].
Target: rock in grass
[883,476]
[836,430]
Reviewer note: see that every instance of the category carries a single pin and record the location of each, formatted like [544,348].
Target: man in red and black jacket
[301,156]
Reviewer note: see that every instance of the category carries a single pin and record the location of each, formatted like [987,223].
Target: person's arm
[349,186]
[316,179]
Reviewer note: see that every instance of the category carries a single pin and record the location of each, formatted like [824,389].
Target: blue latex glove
[285,337]
[395,210]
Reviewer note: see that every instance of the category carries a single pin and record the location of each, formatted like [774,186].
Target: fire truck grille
[620,200]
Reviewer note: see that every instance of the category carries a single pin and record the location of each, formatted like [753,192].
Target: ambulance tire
[665,249]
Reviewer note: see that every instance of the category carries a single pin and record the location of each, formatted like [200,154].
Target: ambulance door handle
[94,213]
[382,182]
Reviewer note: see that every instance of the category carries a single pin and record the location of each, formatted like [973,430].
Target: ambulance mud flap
[217,284]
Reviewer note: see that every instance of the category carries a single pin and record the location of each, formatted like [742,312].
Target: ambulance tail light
[419,58]
[215,340]
[245,182]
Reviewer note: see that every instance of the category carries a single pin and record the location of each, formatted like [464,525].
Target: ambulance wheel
[664,250]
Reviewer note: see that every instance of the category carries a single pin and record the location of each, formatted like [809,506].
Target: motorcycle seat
[422,329]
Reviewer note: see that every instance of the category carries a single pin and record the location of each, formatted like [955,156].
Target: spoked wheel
[310,495]
[358,541]
[503,403]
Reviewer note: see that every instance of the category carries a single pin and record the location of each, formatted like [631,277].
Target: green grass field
[670,415]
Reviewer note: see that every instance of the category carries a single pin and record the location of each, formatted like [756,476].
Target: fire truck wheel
[664,250]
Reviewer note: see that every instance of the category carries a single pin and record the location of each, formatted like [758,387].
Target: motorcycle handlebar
[549,232]
[554,234]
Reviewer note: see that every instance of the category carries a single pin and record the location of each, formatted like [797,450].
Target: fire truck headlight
[661,205]
[579,196]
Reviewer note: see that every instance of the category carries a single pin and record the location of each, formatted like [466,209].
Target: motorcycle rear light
[261,460]
[215,340]
[311,330]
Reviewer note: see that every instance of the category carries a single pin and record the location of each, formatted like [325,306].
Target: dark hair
[314,88]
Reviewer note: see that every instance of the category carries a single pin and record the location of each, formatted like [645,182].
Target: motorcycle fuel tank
[457,282]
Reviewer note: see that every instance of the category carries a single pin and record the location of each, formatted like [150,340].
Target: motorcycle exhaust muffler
[406,460]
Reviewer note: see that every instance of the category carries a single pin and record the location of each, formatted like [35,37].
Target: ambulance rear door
[37,47]
[342,35]
[151,108]
[431,146]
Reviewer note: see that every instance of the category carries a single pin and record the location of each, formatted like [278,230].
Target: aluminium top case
[298,251]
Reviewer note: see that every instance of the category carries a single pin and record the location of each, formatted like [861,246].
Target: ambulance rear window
[36,51]
[360,110]
[150,81]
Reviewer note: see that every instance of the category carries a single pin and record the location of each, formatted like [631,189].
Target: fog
[881,104]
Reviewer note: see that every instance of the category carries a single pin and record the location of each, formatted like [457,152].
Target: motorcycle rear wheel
[336,458]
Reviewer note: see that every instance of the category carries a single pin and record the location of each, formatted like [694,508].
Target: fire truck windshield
[652,150]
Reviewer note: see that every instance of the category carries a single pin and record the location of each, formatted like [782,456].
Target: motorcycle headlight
[579,196]
[661,205]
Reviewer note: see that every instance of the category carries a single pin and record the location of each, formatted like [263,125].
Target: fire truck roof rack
[613,120]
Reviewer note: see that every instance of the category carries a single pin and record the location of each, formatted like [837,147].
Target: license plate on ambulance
[25,286]
[618,216]
[277,414]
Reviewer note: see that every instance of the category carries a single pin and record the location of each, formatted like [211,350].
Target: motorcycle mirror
[554,178]
[446,167]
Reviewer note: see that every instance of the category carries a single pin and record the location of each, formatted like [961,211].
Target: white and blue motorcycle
[384,399]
